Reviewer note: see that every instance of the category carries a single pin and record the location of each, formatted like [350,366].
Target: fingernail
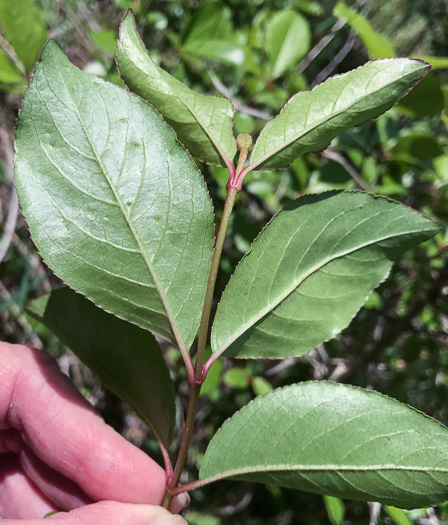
[170,520]
[179,502]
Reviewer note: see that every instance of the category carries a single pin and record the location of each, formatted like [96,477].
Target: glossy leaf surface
[334,439]
[203,123]
[310,271]
[311,119]
[115,205]
[24,29]
[288,40]
[127,359]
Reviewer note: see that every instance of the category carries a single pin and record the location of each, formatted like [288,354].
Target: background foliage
[259,54]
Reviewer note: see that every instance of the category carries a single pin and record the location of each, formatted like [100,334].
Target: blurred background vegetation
[259,53]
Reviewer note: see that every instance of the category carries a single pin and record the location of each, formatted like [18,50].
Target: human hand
[57,453]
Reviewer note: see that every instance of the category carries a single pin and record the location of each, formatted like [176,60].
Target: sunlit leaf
[24,29]
[288,39]
[377,44]
[335,509]
[8,74]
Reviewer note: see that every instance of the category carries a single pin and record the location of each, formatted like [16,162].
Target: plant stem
[203,329]
[195,389]
[195,386]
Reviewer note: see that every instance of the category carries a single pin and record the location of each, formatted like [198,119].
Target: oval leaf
[288,38]
[310,271]
[126,358]
[203,124]
[115,205]
[311,119]
[334,439]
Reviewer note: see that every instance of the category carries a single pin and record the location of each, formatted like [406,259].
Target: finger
[63,430]
[59,489]
[19,496]
[108,513]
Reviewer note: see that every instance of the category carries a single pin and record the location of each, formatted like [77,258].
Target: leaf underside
[311,119]
[127,359]
[334,439]
[203,124]
[115,205]
[310,271]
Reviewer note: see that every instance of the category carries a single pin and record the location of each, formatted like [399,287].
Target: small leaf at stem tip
[244,141]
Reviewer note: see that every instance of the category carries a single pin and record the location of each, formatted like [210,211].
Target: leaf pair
[308,122]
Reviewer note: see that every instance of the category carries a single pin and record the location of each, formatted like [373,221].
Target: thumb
[107,513]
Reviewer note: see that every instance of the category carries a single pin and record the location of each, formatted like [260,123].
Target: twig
[13,207]
[219,86]
[12,55]
[321,45]
[374,511]
[335,156]
[21,319]
[345,50]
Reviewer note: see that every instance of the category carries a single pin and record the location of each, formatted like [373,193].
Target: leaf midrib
[254,164]
[131,227]
[319,468]
[300,281]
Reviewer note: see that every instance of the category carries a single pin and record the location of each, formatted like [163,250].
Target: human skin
[57,453]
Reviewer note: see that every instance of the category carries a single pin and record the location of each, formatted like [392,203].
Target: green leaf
[126,358]
[435,62]
[115,205]
[334,439]
[236,378]
[105,40]
[377,44]
[210,21]
[217,50]
[24,29]
[8,74]
[335,509]
[203,123]
[288,38]
[310,271]
[311,119]
[425,100]
[260,386]
[398,516]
